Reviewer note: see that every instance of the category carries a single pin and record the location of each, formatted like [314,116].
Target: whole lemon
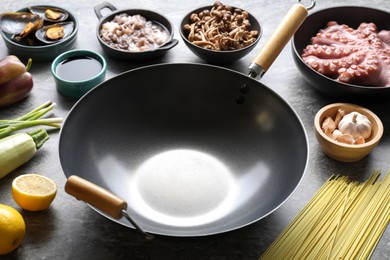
[12,229]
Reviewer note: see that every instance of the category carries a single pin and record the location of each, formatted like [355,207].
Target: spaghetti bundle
[344,220]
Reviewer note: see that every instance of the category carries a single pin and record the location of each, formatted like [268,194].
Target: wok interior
[172,141]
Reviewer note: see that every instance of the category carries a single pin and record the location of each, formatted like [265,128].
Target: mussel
[30,28]
[15,22]
[48,13]
[42,25]
[54,32]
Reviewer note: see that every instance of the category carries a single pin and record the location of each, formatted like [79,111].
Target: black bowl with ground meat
[133,48]
[214,44]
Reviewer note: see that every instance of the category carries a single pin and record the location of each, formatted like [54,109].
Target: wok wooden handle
[96,196]
[280,37]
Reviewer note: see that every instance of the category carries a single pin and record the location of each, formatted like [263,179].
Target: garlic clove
[328,126]
[359,140]
[340,114]
[346,138]
[336,133]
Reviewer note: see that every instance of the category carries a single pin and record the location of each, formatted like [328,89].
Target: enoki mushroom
[221,28]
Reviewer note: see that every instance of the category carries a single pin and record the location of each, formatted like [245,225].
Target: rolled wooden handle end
[96,196]
[280,37]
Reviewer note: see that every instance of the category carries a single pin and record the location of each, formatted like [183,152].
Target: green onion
[30,119]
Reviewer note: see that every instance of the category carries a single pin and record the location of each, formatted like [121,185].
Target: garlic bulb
[356,125]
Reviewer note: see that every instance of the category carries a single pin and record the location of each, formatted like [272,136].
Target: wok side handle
[96,196]
[278,40]
[101,199]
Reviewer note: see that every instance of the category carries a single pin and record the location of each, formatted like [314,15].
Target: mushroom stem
[204,43]
[232,26]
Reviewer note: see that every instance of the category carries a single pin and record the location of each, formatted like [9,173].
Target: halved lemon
[33,192]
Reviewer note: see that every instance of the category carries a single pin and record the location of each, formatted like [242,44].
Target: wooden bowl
[347,152]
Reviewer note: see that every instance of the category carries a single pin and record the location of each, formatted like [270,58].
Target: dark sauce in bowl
[78,68]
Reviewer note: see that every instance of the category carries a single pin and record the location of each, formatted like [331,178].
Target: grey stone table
[72,230]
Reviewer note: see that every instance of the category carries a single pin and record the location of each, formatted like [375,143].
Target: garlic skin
[355,124]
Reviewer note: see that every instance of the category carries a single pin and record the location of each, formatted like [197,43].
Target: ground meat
[133,33]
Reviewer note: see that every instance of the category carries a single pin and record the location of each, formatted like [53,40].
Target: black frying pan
[186,158]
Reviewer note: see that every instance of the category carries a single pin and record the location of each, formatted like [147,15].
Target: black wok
[188,159]
[352,16]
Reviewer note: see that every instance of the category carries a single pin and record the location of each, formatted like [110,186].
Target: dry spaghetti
[344,220]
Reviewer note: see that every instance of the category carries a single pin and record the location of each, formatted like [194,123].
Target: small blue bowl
[77,88]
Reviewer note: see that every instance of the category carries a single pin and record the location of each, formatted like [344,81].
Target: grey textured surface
[72,230]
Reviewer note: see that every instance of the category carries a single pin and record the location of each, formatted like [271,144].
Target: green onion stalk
[30,119]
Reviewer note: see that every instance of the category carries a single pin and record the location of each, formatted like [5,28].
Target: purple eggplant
[11,67]
[16,89]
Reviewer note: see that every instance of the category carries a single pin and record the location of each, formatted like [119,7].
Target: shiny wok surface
[188,159]
[72,230]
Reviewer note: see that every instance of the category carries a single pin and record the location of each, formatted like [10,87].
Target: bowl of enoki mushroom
[220,33]
[347,132]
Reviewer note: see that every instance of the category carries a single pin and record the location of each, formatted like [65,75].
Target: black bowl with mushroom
[134,34]
[220,34]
